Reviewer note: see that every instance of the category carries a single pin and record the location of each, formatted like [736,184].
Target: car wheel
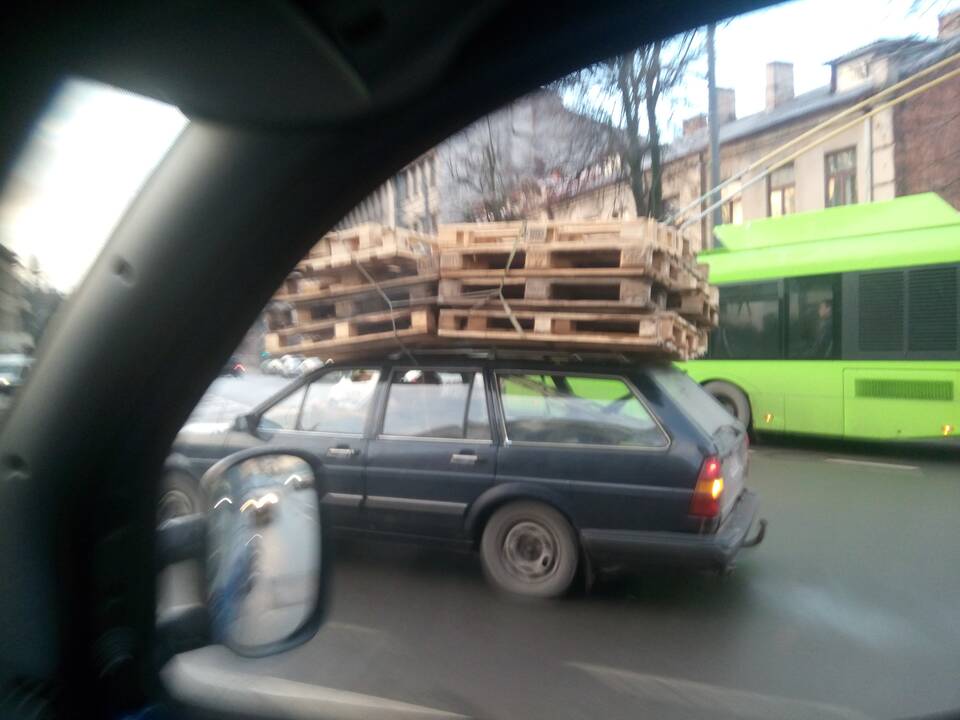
[732,398]
[179,496]
[529,549]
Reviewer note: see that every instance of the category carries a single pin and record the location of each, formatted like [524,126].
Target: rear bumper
[621,549]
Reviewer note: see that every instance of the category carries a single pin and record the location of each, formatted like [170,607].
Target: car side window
[436,404]
[338,401]
[283,415]
[573,409]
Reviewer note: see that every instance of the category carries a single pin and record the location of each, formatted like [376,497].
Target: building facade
[908,148]
[501,166]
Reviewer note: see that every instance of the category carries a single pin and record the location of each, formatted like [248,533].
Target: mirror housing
[263,551]
[247,423]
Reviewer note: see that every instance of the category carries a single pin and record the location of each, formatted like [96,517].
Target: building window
[840,172]
[732,209]
[781,192]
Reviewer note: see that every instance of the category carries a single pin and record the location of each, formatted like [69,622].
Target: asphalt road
[849,609]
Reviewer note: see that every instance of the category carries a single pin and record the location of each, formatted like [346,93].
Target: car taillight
[706,495]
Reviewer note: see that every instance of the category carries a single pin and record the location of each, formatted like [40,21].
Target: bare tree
[630,95]
[479,164]
[501,165]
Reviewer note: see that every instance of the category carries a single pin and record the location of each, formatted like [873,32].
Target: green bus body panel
[913,230]
[824,397]
[882,399]
[911,212]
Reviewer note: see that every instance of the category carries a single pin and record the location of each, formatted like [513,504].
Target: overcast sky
[96,146]
[806,33]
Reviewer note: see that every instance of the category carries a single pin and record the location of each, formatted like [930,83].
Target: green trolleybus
[841,322]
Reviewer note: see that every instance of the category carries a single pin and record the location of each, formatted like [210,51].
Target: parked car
[271,366]
[290,365]
[541,466]
[309,365]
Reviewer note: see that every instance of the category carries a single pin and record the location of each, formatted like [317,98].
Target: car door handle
[342,452]
[464,459]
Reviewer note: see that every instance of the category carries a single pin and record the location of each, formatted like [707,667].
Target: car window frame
[590,446]
[387,379]
[304,383]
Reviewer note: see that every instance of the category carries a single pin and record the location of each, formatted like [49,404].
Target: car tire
[179,496]
[733,399]
[529,549]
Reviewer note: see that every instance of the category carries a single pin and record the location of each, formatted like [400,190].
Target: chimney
[692,124]
[779,83]
[726,105]
[949,25]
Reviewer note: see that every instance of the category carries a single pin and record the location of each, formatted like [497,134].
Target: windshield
[86,159]
[638,397]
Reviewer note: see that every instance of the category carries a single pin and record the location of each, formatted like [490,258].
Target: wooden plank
[661,331]
[598,293]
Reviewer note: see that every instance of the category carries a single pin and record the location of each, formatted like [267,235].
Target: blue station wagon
[546,467]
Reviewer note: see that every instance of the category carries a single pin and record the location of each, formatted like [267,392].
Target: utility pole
[714,126]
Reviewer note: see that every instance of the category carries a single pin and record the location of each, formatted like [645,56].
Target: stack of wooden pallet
[628,287]
[624,286]
[359,290]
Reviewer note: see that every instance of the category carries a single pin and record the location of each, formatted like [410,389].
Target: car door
[329,417]
[433,453]
[593,439]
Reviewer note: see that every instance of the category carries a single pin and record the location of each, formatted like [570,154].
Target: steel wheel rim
[174,504]
[530,551]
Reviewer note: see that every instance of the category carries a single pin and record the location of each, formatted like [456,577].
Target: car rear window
[570,409]
[696,402]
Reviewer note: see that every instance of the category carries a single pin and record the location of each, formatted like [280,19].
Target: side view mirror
[262,546]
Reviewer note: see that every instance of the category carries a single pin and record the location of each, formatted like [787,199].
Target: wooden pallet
[394,247]
[663,332]
[582,259]
[624,294]
[701,307]
[471,235]
[367,237]
[350,284]
[364,333]
[309,309]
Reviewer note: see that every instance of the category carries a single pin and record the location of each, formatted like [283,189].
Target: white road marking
[870,463]
[713,700]
[198,682]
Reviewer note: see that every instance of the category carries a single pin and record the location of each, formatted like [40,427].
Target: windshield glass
[637,397]
[703,409]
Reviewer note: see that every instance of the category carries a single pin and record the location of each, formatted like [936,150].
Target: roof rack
[494,353]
